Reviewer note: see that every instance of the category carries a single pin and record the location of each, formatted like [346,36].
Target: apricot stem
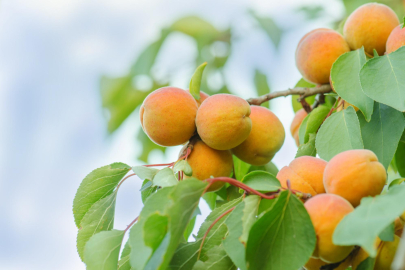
[305,105]
[332,109]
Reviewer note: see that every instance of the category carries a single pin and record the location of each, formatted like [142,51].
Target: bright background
[52,127]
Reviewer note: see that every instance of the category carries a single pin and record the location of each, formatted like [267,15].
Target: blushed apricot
[386,254]
[354,174]
[305,174]
[265,139]
[326,211]
[223,121]
[396,39]
[317,51]
[369,26]
[168,116]
[203,96]
[206,162]
[296,123]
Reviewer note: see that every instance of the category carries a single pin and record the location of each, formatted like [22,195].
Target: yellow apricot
[317,51]
[354,174]
[223,121]
[326,211]
[344,105]
[369,26]
[396,39]
[316,264]
[168,116]
[360,255]
[265,139]
[305,174]
[206,162]
[386,254]
[399,226]
[296,123]
[203,96]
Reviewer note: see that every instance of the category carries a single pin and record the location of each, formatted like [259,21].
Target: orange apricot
[296,123]
[396,39]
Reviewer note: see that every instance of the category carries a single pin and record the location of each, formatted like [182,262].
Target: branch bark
[303,92]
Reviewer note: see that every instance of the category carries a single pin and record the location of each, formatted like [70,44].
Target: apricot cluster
[220,125]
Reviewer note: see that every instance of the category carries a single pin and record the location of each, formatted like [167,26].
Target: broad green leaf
[155,230]
[315,120]
[217,259]
[303,130]
[383,79]
[190,226]
[346,81]
[262,181]
[241,168]
[400,156]
[262,86]
[195,82]
[367,264]
[283,238]
[147,190]
[273,31]
[339,132]
[123,263]
[96,185]
[185,256]
[165,178]
[183,166]
[297,105]
[307,149]
[367,221]
[269,167]
[210,198]
[396,182]
[145,172]
[100,217]
[102,250]
[375,53]
[388,233]
[381,135]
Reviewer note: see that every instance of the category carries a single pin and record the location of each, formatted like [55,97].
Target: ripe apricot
[399,226]
[316,264]
[265,139]
[206,162]
[326,211]
[305,174]
[296,123]
[344,105]
[223,121]
[168,116]
[317,51]
[354,174]
[369,26]
[396,39]
[360,255]
[386,254]
[203,96]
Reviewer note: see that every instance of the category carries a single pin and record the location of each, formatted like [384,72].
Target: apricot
[316,264]
[344,105]
[223,121]
[265,139]
[399,226]
[354,174]
[386,253]
[168,116]
[203,96]
[305,174]
[396,39]
[317,51]
[361,254]
[296,123]
[326,211]
[369,26]
[206,162]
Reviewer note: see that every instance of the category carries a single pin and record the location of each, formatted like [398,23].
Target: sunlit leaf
[195,82]
[262,181]
[165,178]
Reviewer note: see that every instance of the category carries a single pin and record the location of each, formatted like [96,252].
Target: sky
[52,127]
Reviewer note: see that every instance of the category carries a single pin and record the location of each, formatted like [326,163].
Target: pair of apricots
[337,188]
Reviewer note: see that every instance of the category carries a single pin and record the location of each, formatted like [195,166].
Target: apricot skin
[396,39]
[316,264]
[296,123]
[369,26]
[317,51]
[305,174]
[326,211]
[386,254]
[207,162]
[265,139]
[354,174]
[223,121]
[168,116]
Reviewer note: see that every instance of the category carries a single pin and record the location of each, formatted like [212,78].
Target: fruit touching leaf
[383,79]
[283,238]
[165,178]
[183,166]
[102,250]
[388,233]
[145,172]
[367,221]
[381,135]
[315,120]
[217,259]
[262,86]
[297,105]
[307,149]
[346,81]
[262,181]
[339,132]
[241,168]
[96,185]
[367,264]
[195,82]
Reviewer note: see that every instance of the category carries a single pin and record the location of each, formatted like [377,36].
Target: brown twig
[305,105]
[303,92]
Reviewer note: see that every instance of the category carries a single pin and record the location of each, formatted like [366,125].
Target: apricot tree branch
[303,92]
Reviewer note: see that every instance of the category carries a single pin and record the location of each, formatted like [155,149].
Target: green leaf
[302,130]
[97,185]
[262,181]
[195,82]
[217,259]
[367,221]
[190,226]
[283,238]
[367,264]
[185,256]
[211,199]
[339,132]
[307,149]
[102,250]
[315,120]
[123,263]
[241,168]
[262,86]
[388,233]
[383,79]
[346,81]
[100,217]
[165,178]
[273,31]
[399,260]
[375,53]
[297,105]
[197,28]
[183,166]
[147,190]
[381,135]
[155,230]
[145,172]
[396,182]
[147,146]
[400,156]
[269,167]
